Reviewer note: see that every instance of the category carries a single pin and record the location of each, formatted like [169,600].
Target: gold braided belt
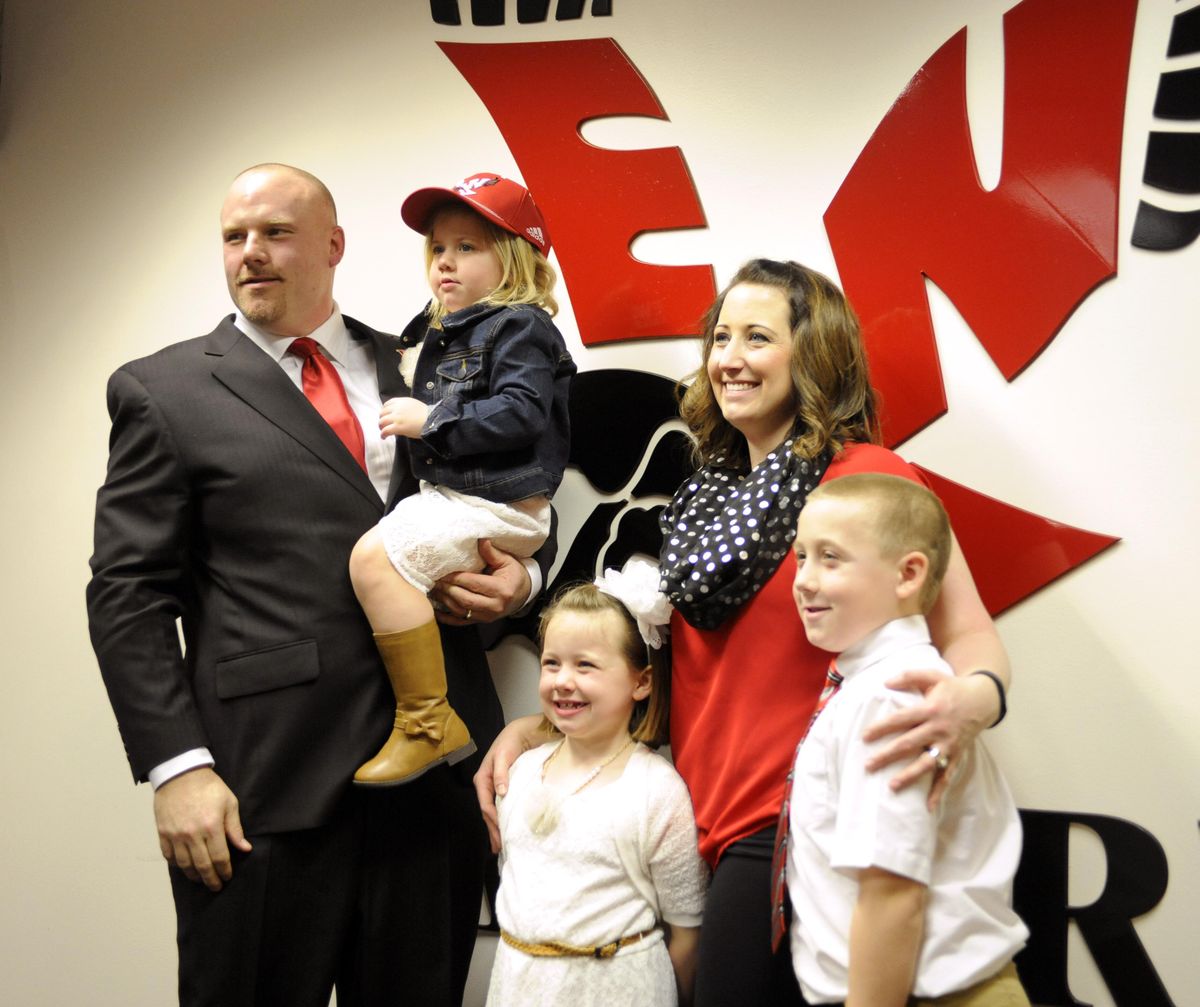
[560,949]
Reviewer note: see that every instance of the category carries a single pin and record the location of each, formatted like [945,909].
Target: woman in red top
[782,402]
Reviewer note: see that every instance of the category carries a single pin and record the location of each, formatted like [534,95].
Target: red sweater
[741,694]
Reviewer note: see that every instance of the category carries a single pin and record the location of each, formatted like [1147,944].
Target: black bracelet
[1000,689]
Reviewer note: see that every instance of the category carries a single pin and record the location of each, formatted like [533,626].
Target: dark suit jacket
[231,505]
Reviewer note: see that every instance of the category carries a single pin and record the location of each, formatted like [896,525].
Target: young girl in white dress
[601,883]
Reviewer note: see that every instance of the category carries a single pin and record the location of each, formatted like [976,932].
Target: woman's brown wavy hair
[835,403]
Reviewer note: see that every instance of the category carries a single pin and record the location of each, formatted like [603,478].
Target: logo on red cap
[506,203]
[469,186]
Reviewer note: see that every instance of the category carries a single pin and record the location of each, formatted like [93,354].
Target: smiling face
[281,245]
[749,366]
[588,686]
[463,266]
[845,588]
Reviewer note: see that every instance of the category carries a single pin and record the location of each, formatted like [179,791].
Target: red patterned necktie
[324,389]
[779,899]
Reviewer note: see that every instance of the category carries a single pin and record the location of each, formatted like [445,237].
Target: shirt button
[428,461]
[429,385]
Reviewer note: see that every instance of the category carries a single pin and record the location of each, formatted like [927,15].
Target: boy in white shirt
[890,900]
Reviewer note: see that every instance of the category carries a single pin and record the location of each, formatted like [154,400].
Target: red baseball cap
[505,203]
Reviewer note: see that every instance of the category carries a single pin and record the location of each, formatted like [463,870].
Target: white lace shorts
[437,530]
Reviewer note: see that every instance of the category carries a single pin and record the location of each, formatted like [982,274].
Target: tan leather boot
[427,731]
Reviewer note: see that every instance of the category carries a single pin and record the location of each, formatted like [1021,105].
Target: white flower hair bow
[636,586]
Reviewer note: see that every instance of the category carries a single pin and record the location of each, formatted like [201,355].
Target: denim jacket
[496,379]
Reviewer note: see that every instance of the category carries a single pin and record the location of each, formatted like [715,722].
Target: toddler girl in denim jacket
[487,436]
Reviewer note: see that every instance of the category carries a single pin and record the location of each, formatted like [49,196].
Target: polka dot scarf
[725,533]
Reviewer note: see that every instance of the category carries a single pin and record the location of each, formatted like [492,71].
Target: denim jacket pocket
[459,368]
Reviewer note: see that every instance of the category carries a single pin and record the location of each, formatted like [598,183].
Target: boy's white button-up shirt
[844,819]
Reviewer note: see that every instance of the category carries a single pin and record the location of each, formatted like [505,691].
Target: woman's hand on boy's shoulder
[945,720]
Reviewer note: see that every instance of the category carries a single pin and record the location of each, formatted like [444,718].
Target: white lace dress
[622,858]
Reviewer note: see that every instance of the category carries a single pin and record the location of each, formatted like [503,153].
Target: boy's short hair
[907,518]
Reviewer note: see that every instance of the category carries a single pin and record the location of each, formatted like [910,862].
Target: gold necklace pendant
[545,804]
[543,812]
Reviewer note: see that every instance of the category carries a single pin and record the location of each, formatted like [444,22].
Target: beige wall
[122,123]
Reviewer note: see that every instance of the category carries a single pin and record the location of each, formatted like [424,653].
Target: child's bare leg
[390,602]
[427,732]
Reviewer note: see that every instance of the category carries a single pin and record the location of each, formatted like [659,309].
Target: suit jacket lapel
[261,383]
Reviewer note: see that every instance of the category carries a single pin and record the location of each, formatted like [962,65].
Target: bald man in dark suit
[231,505]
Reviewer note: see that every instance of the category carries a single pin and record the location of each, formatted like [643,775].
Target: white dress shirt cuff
[535,584]
[192,759]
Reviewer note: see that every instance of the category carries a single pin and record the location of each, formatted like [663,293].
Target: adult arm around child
[491,780]
[954,710]
[466,597]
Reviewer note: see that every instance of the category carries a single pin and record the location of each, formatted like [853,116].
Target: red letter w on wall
[1016,261]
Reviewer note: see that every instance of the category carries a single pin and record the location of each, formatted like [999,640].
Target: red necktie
[324,389]
[779,899]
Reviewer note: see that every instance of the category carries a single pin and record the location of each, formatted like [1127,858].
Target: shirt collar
[897,635]
[331,335]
